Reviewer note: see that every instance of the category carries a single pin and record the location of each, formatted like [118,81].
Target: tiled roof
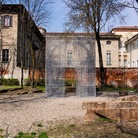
[125,28]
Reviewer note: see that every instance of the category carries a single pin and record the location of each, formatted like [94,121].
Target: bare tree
[35,9]
[2,1]
[93,15]
[39,11]
[133,4]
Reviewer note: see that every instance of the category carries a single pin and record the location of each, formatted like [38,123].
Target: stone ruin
[119,109]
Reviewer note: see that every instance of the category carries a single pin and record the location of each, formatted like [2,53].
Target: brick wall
[119,77]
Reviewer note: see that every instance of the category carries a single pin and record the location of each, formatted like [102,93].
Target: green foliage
[9,82]
[103,119]
[26,82]
[110,88]
[70,82]
[1,136]
[72,125]
[39,125]
[25,135]
[43,135]
[41,88]
[30,135]
[40,82]
[1,130]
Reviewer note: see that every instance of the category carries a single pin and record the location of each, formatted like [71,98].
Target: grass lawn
[9,87]
[14,89]
[41,88]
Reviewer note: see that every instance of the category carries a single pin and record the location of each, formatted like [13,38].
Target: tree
[2,1]
[133,4]
[93,15]
[39,11]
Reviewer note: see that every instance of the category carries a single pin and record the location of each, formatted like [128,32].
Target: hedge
[10,82]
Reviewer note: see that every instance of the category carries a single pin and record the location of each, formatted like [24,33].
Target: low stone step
[113,104]
[119,109]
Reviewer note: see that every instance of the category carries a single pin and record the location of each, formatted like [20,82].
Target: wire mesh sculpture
[70,51]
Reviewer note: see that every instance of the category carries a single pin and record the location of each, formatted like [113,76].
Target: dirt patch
[59,117]
[99,129]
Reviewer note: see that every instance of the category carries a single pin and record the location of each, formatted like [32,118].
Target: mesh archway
[69,51]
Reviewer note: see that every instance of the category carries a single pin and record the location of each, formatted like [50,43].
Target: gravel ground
[25,112]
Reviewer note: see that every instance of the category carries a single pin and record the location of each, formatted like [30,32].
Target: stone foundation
[119,109]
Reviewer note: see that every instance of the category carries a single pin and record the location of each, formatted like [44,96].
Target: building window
[69,57]
[119,63]
[6,21]
[5,55]
[108,58]
[133,64]
[125,63]
[108,42]
[136,44]
[132,47]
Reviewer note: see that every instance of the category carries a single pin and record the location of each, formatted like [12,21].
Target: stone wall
[119,77]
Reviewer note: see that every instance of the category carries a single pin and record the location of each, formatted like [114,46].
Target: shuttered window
[108,58]
[6,21]
[5,55]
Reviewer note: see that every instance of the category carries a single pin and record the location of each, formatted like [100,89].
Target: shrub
[9,82]
[25,135]
[3,81]
[26,82]
[41,82]
[70,82]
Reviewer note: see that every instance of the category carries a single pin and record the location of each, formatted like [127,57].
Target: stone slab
[119,109]
[112,104]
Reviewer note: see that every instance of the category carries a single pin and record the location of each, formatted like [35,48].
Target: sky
[59,13]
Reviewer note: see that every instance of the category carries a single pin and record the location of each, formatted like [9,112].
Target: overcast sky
[59,12]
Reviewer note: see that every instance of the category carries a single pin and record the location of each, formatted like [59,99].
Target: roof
[125,28]
[81,34]
[131,39]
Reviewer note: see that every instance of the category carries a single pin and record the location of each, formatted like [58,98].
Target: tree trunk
[100,61]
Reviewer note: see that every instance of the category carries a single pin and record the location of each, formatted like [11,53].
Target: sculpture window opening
[108,42]
[69,57]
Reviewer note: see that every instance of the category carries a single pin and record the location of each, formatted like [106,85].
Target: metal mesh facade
[69,51]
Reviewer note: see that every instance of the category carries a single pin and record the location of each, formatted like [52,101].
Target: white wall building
[132,51]
[127,32]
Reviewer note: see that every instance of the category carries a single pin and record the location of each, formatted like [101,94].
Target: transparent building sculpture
[70,51]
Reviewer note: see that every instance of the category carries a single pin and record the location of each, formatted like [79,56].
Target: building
[110,50]
[21,43]
[132,51]
[126,33]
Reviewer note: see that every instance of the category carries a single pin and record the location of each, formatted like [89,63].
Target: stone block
[119,109]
